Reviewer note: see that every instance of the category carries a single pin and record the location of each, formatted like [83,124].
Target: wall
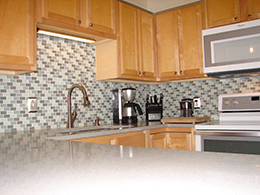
[62,63]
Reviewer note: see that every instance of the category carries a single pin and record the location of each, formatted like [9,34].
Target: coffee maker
[124,108]
[130,107]
[187,106]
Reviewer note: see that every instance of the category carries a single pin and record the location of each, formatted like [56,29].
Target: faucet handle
[97,121]
[74,114]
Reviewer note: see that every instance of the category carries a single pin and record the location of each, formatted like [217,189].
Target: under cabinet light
[85,40]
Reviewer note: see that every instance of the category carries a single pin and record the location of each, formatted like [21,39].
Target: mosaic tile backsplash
[61,63]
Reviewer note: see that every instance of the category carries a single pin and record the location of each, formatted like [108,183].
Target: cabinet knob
[236,18]
[91,24]
[181,72]
[143,73]
[175,72]
[139,73]
[79,21]
[249,16]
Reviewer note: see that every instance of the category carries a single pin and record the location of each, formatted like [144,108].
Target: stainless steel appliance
[232,49]
[154,107]
[187,106]
[238,128]
[129,107]
[117,106]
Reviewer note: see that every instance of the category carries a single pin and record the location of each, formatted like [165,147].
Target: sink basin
[91,128]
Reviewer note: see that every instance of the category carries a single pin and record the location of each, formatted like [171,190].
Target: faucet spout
[85,98]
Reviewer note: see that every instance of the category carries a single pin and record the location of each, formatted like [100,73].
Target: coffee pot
[130,107]
[187,106]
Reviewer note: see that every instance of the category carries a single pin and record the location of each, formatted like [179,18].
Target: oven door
[242,142]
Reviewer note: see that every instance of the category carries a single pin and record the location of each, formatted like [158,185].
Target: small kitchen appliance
[238,127]
[187,106]
[154,107]
[117,105]
[129,108]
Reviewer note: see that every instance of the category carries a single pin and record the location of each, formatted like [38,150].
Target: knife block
[154,111]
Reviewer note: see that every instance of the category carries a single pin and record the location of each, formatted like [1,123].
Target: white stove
[238,128]
[236,112]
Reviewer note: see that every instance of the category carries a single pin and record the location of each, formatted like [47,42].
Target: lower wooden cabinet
[138,139]
[177,141]
[165,138]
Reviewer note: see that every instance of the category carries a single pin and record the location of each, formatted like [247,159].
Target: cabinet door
[159,141]
[179,141]
[167,44]
[61,12]
[130,140]
[138,139]
[190,40]
[146,44]
[17,36]
[222,12]
[128,40]
[253,9]
[101,15]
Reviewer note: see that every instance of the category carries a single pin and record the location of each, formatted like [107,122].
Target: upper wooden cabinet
[136,39]
[86,16]
[223,12]
[179,43]
[132,56]
[62,11]
[17,36]
[101,15]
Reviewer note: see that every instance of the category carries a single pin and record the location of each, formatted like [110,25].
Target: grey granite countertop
[32,164]
[83,132]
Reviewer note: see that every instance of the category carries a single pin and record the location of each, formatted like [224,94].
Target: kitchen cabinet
[78,17]
[132,56]
[222,12]
[173,138]
[101,15]
[138,139]
[17,36]
[62,12]
[179,138]
[179,43]
[177,141]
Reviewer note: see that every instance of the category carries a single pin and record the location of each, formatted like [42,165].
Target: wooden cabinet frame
[168,138]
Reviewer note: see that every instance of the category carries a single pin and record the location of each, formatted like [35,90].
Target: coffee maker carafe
[129,107]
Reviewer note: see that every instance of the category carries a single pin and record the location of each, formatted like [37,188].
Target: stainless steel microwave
[232,49]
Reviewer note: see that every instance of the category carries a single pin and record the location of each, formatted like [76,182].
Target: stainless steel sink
[91,128]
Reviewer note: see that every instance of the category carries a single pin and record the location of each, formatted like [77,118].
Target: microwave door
[231,51]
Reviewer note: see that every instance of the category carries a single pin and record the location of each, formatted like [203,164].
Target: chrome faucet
[72,116]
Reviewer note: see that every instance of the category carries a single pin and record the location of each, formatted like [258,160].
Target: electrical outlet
[197,102]
[32,104]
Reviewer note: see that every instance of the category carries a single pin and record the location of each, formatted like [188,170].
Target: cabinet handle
[139,73]
[79,21]
[249,16]
[181,72]
[236,18]
[175,72]
[91,24]
[143,73]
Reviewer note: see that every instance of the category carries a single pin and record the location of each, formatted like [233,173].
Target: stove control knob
[226,102]
[234,101]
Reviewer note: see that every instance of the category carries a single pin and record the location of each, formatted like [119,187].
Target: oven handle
[229,133]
